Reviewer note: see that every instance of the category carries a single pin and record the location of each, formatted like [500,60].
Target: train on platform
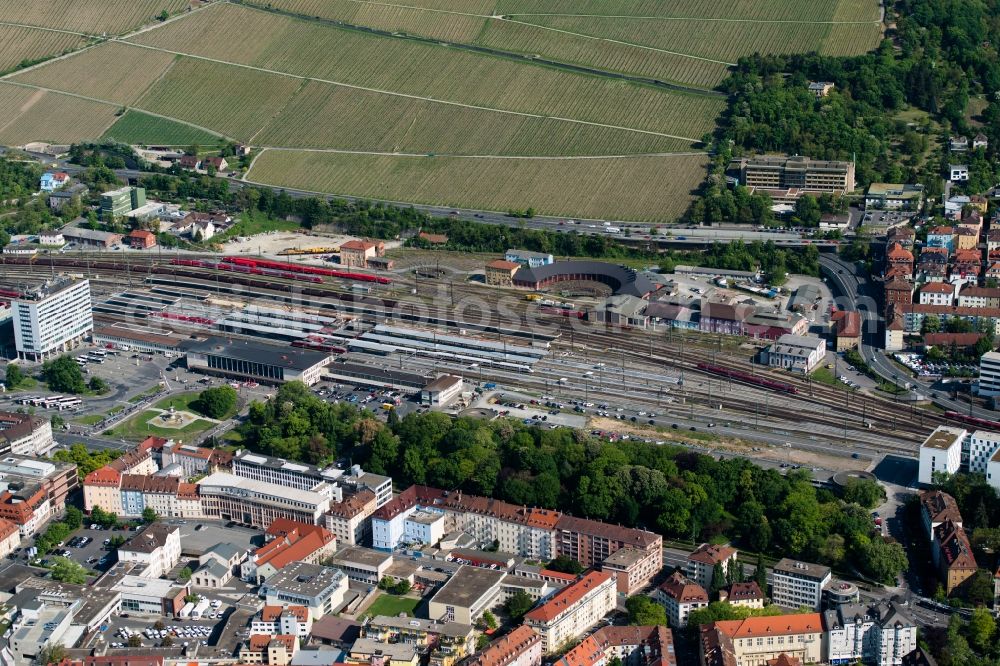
[747,378]
[267,264]
[973,420]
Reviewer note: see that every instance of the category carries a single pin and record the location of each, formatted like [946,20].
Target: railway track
[883,415]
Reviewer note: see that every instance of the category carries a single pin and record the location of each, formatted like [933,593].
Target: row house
[971,296]
[897,292]
[539,534]
[878,635]
[967,264]
[987,319]
[993,240]
[897,256]
[937,293]
[631,646]
[573,610]
[943,237]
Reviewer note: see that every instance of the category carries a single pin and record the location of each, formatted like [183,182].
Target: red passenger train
[748,378]
[308,270]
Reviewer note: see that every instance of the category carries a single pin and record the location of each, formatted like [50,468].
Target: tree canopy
[64,375]
[217,401]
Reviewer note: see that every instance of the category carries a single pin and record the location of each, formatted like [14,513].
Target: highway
[677,236]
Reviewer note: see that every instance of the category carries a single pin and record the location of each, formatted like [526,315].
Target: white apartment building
[795,584]
[980,447]
[937,293]
[573,610]
[989,374]
[27,435]
[284,620]
[680,596]
[799,353]
[878,635]
[424,527]
[320,589]
[993,477]
[940,452]
[157,548]
[52,319]
[700,565]
[258,503]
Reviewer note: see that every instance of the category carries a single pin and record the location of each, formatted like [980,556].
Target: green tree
[982,628]
[98,385]
[881,559]
[489,620]
[643,611]
[135,640]
[149,515]
[51,654]
[518,604]
[67,571]
[217,401]
[185,574]
[718,580]
[760,573]
[163,15]
[73,518]
[931,324]
[980,588]
[865,492]
[566,564]
[14,376]
[167,641]
[63,375]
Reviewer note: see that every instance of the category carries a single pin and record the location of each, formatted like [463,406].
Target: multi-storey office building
[52,318]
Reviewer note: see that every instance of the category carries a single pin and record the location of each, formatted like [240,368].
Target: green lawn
[90,419]
[388,604]
[180,402]
[825,376]
[142,128]
[253,224]
[139,427]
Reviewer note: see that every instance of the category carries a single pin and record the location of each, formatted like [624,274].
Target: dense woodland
[666,489]
[892,110]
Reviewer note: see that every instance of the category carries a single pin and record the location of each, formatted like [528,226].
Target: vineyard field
[297,47]
[36,115]
[461,26]
[112,71]
[94,17]
[136,127]
[373,122]
[643,188]
[27,44]
[689,43]
[233,101]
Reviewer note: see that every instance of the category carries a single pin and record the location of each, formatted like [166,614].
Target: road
[694,237]
[857,293]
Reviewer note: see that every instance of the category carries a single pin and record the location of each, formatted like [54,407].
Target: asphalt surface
[679,236]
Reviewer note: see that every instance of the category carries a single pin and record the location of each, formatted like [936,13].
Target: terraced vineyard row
[635,188]
[304,49]
[35,115]
[111,71]
[20,44]
[652,38]
[138,127]
[94,17]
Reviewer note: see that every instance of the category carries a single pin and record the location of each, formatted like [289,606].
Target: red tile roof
[775,625]
[507,648]
[294,541]
[272,613]
[848,323]
[359,245]
[502,265]
[682,590]
[897,252]
[712,554]
[105,476]
[745,592]
[954,545]
[567,597]
[784,660]
[7,529]
[259,642]
[937,288]
[947,339]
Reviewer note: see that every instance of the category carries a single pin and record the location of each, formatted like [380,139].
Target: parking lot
[918,364]
[367,398]
[93,555]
